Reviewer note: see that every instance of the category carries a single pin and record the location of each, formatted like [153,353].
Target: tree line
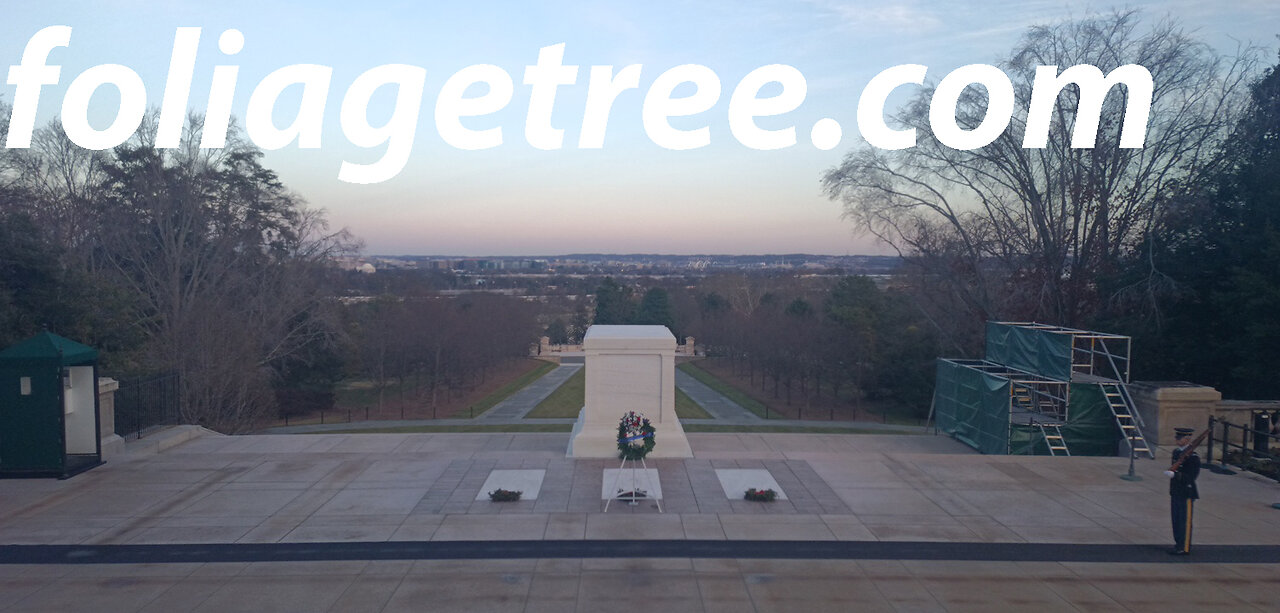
[614,304]
[193,260]
[795,338]
[432,345]
[861,342]
[1174,243]
[202,262]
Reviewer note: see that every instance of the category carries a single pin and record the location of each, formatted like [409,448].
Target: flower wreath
[635,436]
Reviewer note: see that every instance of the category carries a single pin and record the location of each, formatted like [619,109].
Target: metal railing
[1246,447]
[143,403]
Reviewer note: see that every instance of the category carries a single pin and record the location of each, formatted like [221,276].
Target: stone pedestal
[1165,405]
[112,444]
[628,368]
[689,348]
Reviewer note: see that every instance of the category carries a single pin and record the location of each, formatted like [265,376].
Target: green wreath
[635,436]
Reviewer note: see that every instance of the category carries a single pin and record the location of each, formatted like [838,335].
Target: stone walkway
[714,402]
[904,494]
[520,403]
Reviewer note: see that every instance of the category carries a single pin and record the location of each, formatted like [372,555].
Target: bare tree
[62,184]
[7,176]
[203,260]
[1020,232]
[226,265]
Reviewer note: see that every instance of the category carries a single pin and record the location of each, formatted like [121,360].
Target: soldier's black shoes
[1179,552]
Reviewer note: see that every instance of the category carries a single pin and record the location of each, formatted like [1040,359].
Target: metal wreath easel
[618,477]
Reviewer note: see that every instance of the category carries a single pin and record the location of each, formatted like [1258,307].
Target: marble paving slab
[527,481]
[736,481]
[622,478]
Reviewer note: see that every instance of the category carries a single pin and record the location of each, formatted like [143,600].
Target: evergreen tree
[581,321]
[655,309]
[1220,250]
[613,303]
[557,333]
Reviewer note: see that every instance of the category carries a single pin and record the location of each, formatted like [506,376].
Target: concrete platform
[887,498]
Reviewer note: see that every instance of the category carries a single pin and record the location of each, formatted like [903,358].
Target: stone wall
[112,444]
[547,349]
[1165,405]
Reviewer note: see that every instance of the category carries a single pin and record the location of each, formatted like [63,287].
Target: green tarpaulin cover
[973,406]
[1041,352]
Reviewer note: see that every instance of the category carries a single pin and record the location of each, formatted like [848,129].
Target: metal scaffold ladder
[1053,438]
[1126,417]
[1022,397]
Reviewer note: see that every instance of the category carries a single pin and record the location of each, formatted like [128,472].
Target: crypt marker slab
[736,481]
[527,481]
[644,479]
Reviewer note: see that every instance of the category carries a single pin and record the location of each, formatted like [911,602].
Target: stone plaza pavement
[923,500]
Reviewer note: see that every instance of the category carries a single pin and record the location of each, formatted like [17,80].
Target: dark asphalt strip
[496,550]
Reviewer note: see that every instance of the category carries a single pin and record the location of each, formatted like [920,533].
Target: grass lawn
[360,397]
[568,399]
[810,404]
[686,408]
[502,393]
[726,390]
[361,393]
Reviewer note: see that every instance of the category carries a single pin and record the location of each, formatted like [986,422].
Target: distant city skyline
[631,196]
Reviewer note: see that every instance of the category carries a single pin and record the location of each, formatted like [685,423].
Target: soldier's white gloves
[1169,473]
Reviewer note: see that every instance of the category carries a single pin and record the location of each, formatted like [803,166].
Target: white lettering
[659,106]
[75,106]
[177,87]
[744,106]
[451,106]
[1093,91]
[28,77]
[942,107]
[399,131]
[545,77]
[306,125]
[871,107]
[603,90]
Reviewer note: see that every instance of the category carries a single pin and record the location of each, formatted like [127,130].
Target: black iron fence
[1254,447]
[143,403]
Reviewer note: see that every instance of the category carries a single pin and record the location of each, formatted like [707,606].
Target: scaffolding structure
[1090,353]
[1041,389]
[1031,396]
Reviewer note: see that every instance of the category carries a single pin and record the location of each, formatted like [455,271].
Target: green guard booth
[49,415]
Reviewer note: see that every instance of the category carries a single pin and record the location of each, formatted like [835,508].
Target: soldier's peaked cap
[1184,431]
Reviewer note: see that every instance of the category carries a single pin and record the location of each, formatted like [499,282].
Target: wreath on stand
[635,441]
[635,436]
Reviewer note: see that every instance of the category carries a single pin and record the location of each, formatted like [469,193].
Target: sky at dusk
[629,196]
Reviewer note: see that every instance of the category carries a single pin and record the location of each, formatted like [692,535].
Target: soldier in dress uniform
[1182,491]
